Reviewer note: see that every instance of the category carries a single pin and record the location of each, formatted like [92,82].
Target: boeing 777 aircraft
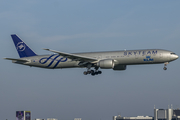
[116,60]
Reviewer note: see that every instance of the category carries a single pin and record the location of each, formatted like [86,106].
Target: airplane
[116,60]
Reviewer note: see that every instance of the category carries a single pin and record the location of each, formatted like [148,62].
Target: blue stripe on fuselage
[58,61]
[53,59]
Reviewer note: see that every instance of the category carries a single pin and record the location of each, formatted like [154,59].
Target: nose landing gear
[165,68]
[165,64]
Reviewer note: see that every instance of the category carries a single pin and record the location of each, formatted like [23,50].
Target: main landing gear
[165,64]
[92,72]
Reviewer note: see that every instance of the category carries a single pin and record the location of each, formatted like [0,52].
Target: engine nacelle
[119,67]
[106,64]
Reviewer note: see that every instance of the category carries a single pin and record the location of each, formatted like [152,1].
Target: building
[176,112]
[77,118]
[162,114]
[167,114]
[39,119]
[52,119]
[159,114]
[134,118]
[23,115]
[114,117]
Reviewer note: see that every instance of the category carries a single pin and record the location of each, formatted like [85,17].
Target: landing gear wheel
[165,68]
[99,72]
[88,72]
[92,71]
[93,74]
[165,64]
[96,73]
[85,73]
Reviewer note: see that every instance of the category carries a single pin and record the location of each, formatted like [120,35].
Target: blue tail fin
[22,48]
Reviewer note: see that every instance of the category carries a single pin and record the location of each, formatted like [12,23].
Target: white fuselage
[129,57]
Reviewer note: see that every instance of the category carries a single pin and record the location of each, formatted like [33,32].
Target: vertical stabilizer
[22,48]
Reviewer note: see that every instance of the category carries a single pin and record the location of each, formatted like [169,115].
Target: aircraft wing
[19,60]
[74,57]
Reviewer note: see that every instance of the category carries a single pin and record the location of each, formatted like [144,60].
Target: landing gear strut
[88,69]
[165,64]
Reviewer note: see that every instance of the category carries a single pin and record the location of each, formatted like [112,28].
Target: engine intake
[106,64]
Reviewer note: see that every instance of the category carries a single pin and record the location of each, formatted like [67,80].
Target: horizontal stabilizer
[20,60]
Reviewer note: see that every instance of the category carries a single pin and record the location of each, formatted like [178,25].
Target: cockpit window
[173,53]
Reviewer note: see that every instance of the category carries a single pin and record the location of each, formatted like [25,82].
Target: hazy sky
[86,26]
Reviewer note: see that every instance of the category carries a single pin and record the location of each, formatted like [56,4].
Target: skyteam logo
[21,46]
[148,58]
[52,59]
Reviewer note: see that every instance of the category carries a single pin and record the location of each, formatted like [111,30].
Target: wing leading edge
[74,57]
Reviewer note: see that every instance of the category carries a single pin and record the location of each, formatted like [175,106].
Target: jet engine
[106,64]
[119,67]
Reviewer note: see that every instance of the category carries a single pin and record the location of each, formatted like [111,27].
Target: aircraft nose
[175,57]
